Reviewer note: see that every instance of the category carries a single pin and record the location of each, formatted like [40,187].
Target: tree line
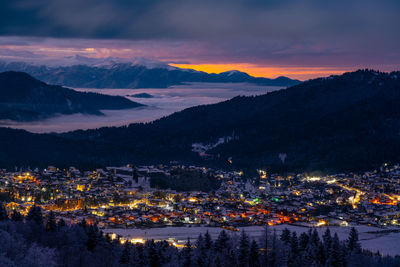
[38,240]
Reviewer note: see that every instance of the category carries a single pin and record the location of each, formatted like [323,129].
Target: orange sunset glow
[301,73]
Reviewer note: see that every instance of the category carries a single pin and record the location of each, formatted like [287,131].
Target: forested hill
[23,98]
[344,122]
[347,122]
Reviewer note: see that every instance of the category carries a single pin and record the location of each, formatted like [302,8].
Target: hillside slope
[347,122]
[23,98]
[350,121]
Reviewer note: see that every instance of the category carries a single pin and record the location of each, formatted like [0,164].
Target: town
[126,197]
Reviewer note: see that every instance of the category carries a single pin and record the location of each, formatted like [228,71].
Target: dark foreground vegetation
[183,180]
[38,241]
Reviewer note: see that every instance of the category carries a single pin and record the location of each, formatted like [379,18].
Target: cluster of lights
[263,174]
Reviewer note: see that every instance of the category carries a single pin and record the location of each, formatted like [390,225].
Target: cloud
[17,54]
[284,20]
[359,33]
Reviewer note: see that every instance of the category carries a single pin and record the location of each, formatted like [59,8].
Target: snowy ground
[371,238]
[165,101]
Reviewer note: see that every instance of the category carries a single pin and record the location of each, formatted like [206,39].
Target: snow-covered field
[164,102]
[371,238]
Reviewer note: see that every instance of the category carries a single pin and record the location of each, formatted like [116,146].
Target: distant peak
[234,73]
[231,72]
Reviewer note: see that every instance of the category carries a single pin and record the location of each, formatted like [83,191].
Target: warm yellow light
[137,240]
[80,187]
[313,179]
[297,193]
[263,174]
[192,199]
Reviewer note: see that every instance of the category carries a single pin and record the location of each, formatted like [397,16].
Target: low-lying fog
[164,102]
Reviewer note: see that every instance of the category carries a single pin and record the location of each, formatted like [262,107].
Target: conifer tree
[217,262]
[200,258]
[3,212]
[153,257]
[272,258]
[139,255]
[334,258]
[124,259]
[16,216]
[327,238]
[187,254]
[35,215]
[200,242]
[315,237]
[342,254]
[293,257]
[285,236]
[303,241]
[91,242]
[353,245]
[243,249]
[254,259]
[294,243]
[108,238]
[230,257]
[266,245]
[61,223]
[309,257]
[83,223]
[51,225]
[321,254]
[207,241]
[222,241]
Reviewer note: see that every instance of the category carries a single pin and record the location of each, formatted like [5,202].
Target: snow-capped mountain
[111,72]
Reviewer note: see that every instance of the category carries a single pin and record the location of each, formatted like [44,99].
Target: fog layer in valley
[164,102]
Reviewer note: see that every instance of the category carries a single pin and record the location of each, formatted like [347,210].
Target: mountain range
[137,74]
[346,122]
[24,98]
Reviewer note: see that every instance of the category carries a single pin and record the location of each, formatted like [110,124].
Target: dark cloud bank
[360,32]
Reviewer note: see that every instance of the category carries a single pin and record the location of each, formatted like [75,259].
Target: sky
[267,38]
